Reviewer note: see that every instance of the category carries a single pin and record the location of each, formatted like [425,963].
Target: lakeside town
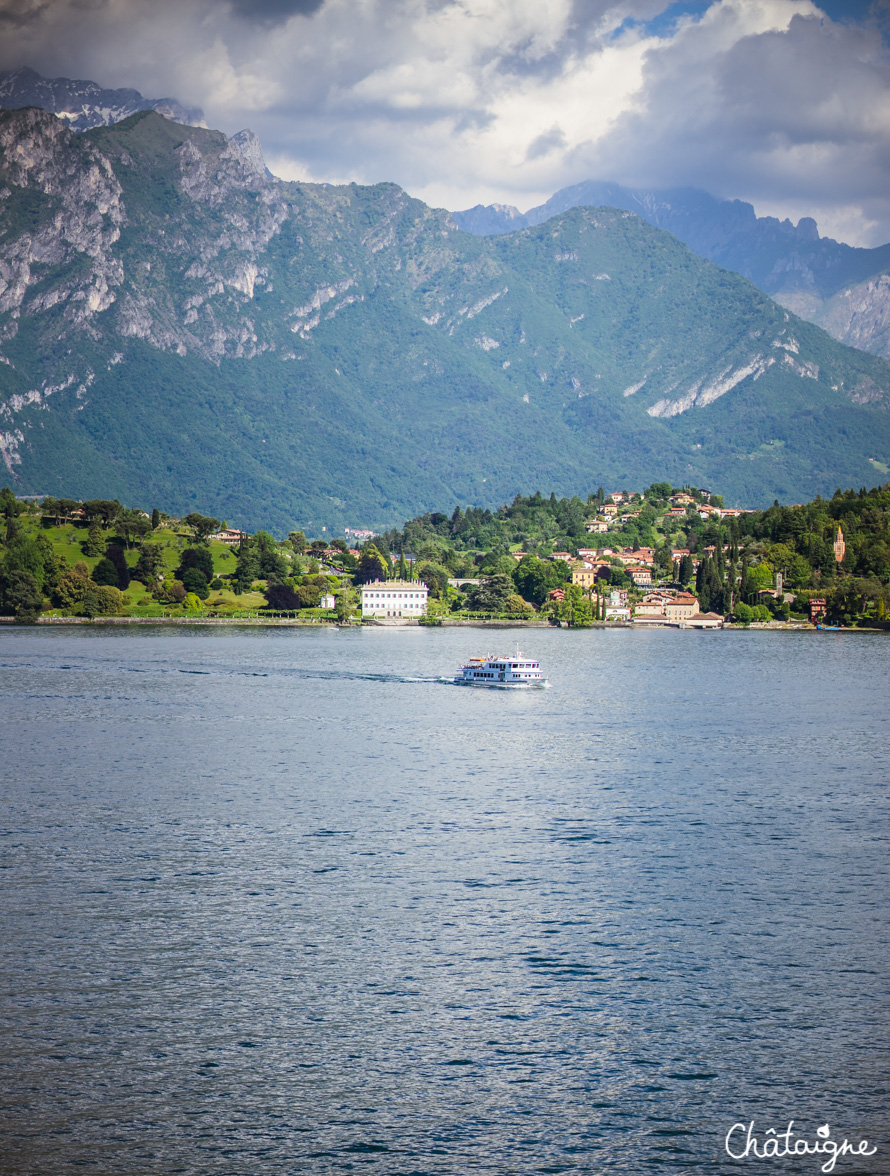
[659,557]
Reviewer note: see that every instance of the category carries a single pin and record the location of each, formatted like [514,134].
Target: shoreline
[445,623]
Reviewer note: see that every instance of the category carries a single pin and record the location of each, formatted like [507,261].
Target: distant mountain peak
[834,285]
[84,105]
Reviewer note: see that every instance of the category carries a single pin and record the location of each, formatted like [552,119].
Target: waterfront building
[394,598]
[653,605]
[818,604]
[706,620]
[682,607]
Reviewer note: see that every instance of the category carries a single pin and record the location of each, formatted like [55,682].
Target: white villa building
[394,598]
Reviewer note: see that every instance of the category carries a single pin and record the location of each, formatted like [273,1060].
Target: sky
[784,103]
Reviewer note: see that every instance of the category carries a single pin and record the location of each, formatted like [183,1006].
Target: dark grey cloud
[273,12]
[16,14]
[552,140]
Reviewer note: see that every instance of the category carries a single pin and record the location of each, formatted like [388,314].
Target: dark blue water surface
[282,901]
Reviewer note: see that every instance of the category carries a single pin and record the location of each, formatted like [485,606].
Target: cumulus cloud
[462,101]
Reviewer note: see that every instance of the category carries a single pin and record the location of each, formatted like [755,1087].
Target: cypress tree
[95,543]
[715,589]
[729,589]
[115,553]
[703,584]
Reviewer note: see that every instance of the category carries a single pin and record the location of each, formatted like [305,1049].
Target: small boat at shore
[511,672]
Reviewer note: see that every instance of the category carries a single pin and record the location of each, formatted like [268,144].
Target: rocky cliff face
[175,324]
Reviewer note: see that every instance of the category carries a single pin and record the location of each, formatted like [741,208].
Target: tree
[115,553]
[308,596]
[150,563]
[345,605]
[20,595]
[102,508]
[169,592]
[515,604]
[298,541]
[105,572]
[72,587]
[195,558]
[664,561]
[10,507]
[104,601]
[371,566]
[247,569]
[133,524]
[435,576]
[155,519]
[576,608]
[195,582]
[492,594]
[534,578]
[94,544]
[201,525]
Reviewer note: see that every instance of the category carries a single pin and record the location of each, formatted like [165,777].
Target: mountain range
[176,328]
[843,289]
[84,105]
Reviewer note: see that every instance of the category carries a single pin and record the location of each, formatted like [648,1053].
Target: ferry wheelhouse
[500,671]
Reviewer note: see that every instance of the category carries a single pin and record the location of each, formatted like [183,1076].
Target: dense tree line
[757,565]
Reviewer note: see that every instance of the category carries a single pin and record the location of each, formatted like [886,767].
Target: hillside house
[229,536]
[641,575]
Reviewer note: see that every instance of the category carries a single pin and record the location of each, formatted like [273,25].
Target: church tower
[839,546]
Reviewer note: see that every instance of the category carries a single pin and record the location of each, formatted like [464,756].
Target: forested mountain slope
[176,327]
[844,289]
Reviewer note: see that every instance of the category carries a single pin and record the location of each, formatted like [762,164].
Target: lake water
[282,901]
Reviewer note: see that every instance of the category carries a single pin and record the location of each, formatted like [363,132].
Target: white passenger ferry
[500,671]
